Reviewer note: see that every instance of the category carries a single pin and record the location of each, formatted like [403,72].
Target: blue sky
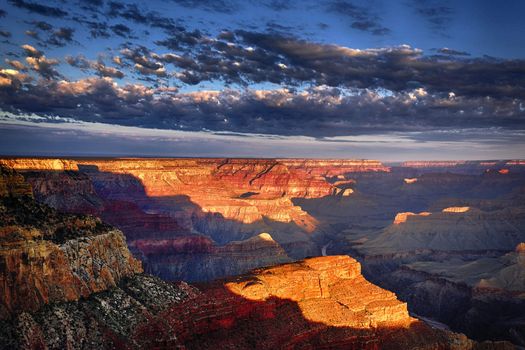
[410,79]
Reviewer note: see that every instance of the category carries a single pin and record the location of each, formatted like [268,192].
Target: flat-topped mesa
[410,180]
[41,164]
[335,167]
[456,210]
[432,164]
[515,162]
[329,291]
[402,217]
[321,302]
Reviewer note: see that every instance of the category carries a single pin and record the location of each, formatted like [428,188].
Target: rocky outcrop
[316,303]
[402,217]
[410,180]
[198,258]
[456,210]
[107,320]
[47,257]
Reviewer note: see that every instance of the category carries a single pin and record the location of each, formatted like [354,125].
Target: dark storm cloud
[3,13]
[223,6]
[5,33]
[319,112]
[361,18]
[39,8]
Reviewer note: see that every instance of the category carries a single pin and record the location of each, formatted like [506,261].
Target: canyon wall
[48,257]
[164,201]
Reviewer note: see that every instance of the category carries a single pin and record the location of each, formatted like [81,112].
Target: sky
[382,79]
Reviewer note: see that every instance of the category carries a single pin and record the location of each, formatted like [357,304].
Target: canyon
[69,281]
[445,237]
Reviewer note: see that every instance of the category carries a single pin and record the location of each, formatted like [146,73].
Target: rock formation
[456,210]
[198,258]
[48,257]
[165,200]
[453,229]
[410,180]
[402,217]
[69,281]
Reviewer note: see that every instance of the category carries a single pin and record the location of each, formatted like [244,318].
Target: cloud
[60,37]
[5,33]
[122,30]
[145,62]
[223,6]
[3,13]
[16,64]
[251,57]
[31,51]
[316,112]
[96,29]
[42,25]
[133,13]
[43,66]
[32,34]
[12,79]
[99,67]
[39,8]
[362,19]
[447,51]
[435,13]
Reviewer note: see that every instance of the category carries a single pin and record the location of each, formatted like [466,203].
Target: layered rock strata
[48,257]
[226,200]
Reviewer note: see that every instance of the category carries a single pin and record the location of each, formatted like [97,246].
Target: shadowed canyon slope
[441,235]
[95,296]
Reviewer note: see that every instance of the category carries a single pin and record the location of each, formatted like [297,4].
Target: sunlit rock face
[456,210]
[410,180]
[402,217]
[311,304]
[165,201]
[47,257]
